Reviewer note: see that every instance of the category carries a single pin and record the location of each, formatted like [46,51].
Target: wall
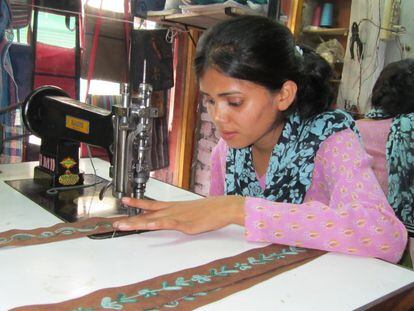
[206,139]
[402,46]
[359,77]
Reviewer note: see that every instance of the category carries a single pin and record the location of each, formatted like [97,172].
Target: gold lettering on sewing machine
[77,124]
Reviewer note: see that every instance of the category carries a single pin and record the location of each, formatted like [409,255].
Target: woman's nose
[219,113]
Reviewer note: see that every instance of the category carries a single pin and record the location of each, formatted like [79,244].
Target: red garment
[55,66]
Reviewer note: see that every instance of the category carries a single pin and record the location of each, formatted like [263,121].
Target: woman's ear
[286,95]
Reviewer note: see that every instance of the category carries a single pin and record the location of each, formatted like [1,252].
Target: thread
[316,19]
[327,15]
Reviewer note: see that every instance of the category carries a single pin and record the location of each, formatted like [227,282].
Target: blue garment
[289,174]
[12,150]
[400,160]
[5,17]
[6,71]
[21,57]
[377,114]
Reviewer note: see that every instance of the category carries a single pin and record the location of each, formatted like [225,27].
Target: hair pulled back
[393,91]
[262,51]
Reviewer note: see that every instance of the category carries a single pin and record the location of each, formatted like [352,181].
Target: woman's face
[244,113]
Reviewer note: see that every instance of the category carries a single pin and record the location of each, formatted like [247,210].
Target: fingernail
[120,226]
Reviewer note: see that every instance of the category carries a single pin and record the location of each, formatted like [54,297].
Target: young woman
[388,136]
[287,168]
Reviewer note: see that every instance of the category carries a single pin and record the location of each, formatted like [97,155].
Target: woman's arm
[344,210]
[190,217]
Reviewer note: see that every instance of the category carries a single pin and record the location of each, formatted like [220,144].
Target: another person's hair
[262,51]
[393,91]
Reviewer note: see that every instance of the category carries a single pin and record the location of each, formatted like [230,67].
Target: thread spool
[316,18]
[327,15]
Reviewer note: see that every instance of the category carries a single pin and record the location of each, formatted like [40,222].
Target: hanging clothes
[12,146]
[109,54]
[55,65]
[140,8]
[5,67]
[72,6]
[22,13]
[159,136]
[152,46]
[12,150]
[21,56]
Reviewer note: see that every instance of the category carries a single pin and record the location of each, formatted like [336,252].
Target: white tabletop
[55,272]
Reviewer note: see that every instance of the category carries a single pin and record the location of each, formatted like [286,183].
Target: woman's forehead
[215,81]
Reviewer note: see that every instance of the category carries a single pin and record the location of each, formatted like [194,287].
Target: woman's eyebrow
[223,94]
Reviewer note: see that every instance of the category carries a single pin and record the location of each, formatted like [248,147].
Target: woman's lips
[228,135]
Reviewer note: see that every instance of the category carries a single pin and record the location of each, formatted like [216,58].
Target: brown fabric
[66,6]
[59,232]
[158,101]
[22,13]
[159,134]
[111,55]
[152,48]
[194,287]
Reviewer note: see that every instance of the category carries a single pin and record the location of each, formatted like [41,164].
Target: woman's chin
[235,145]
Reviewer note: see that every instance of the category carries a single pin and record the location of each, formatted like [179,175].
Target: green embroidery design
[121,299]
[64,231]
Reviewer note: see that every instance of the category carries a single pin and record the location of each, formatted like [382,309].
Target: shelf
[326,31]
[203,19]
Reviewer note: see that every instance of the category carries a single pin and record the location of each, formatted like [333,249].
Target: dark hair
[262,51]
[393,92]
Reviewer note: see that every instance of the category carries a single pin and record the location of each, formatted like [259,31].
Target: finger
[144,223]
[139,222]
[149,205]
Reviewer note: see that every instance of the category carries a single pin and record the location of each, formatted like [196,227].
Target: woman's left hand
[190,217]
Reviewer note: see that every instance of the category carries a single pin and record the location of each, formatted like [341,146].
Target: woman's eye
[208,101]
[235,104]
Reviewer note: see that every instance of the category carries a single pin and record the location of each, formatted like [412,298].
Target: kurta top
[344,209]
[374,138]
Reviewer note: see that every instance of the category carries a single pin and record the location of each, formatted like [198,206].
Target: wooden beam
[295,17]
[189,115]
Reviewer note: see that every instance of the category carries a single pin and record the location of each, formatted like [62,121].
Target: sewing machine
[62,124]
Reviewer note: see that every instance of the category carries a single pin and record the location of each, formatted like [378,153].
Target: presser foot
[113,234]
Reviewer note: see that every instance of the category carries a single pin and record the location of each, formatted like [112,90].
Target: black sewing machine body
[62,123]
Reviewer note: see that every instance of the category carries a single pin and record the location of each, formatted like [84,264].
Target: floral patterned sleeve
[344,210]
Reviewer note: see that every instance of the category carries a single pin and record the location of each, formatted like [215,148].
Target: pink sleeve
[344,209]
[218,168]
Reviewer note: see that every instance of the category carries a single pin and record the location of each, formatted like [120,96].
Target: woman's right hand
[189,217]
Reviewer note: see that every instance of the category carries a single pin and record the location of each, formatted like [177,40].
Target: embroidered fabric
[291,164]
[400,159]
[58,232]
[194,287]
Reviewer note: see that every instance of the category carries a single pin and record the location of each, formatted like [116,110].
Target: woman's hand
[190,217]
